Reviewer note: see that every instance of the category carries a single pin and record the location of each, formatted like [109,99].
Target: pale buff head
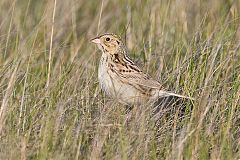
[108,43]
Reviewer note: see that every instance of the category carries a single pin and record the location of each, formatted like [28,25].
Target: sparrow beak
[96,40]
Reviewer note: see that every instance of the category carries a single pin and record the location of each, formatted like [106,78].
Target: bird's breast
[103,76]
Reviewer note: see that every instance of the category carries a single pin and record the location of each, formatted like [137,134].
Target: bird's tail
[166,94]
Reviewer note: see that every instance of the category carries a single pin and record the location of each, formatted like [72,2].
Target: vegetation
[52,106]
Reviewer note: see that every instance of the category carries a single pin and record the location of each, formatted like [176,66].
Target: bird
[121,78]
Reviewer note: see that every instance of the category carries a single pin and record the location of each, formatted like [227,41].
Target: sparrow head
[108,43]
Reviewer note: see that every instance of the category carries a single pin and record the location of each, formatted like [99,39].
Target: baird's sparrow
[121,78]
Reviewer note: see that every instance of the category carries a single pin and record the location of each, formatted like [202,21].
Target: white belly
[104,79]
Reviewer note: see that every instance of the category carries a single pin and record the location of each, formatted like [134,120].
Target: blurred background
[53,108]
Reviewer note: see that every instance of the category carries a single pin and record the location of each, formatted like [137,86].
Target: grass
[53,108]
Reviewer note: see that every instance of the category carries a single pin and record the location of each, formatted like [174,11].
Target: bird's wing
[130,73]
[146,84]
[140,79]
[134,76]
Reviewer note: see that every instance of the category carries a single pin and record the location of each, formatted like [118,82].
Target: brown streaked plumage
[121,78]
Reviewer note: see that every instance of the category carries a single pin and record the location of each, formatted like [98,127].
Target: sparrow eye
[107,39]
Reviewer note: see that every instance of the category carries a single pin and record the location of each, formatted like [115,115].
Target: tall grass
[53,108]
